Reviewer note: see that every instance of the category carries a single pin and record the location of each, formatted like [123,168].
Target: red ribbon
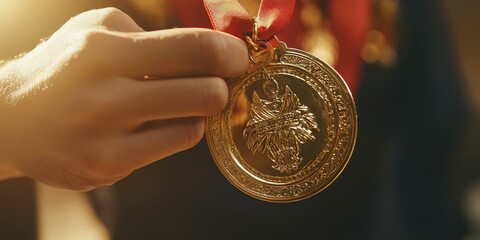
[231,17]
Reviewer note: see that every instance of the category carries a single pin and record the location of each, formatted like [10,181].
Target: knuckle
[92,39]
[193,133]
[110,12]
[112,17]
[97,17]
[103,16]
[216,93]
[90,50]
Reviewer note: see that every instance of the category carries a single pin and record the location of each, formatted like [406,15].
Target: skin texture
[77,111]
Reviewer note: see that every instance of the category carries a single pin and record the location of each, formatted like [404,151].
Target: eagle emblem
[278,126]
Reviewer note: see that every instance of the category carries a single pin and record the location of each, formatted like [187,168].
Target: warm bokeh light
[8,10]
[24,22]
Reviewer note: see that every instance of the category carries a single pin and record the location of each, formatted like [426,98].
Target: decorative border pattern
[341,134]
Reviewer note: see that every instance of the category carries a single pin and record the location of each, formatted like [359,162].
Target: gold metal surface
[288,130]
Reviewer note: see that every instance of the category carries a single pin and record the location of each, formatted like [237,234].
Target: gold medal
[289,127]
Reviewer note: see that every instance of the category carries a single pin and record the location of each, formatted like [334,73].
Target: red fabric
[231,17]
[190,13]
[349,22]
[273,17]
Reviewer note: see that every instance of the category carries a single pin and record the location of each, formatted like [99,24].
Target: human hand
[77,112]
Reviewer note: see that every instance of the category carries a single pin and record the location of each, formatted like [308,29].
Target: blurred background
[23,23]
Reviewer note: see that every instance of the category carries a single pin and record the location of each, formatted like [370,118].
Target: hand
[77,111]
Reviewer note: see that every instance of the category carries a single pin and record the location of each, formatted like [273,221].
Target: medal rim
[219,161]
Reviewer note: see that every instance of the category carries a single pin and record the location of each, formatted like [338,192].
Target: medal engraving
[288,129]
[278,126]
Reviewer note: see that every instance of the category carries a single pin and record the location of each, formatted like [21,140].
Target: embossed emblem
[278,126]
[293,112]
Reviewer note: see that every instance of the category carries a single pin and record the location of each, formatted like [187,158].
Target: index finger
[177,53]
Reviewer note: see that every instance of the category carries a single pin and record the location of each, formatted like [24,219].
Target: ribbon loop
[231,17]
